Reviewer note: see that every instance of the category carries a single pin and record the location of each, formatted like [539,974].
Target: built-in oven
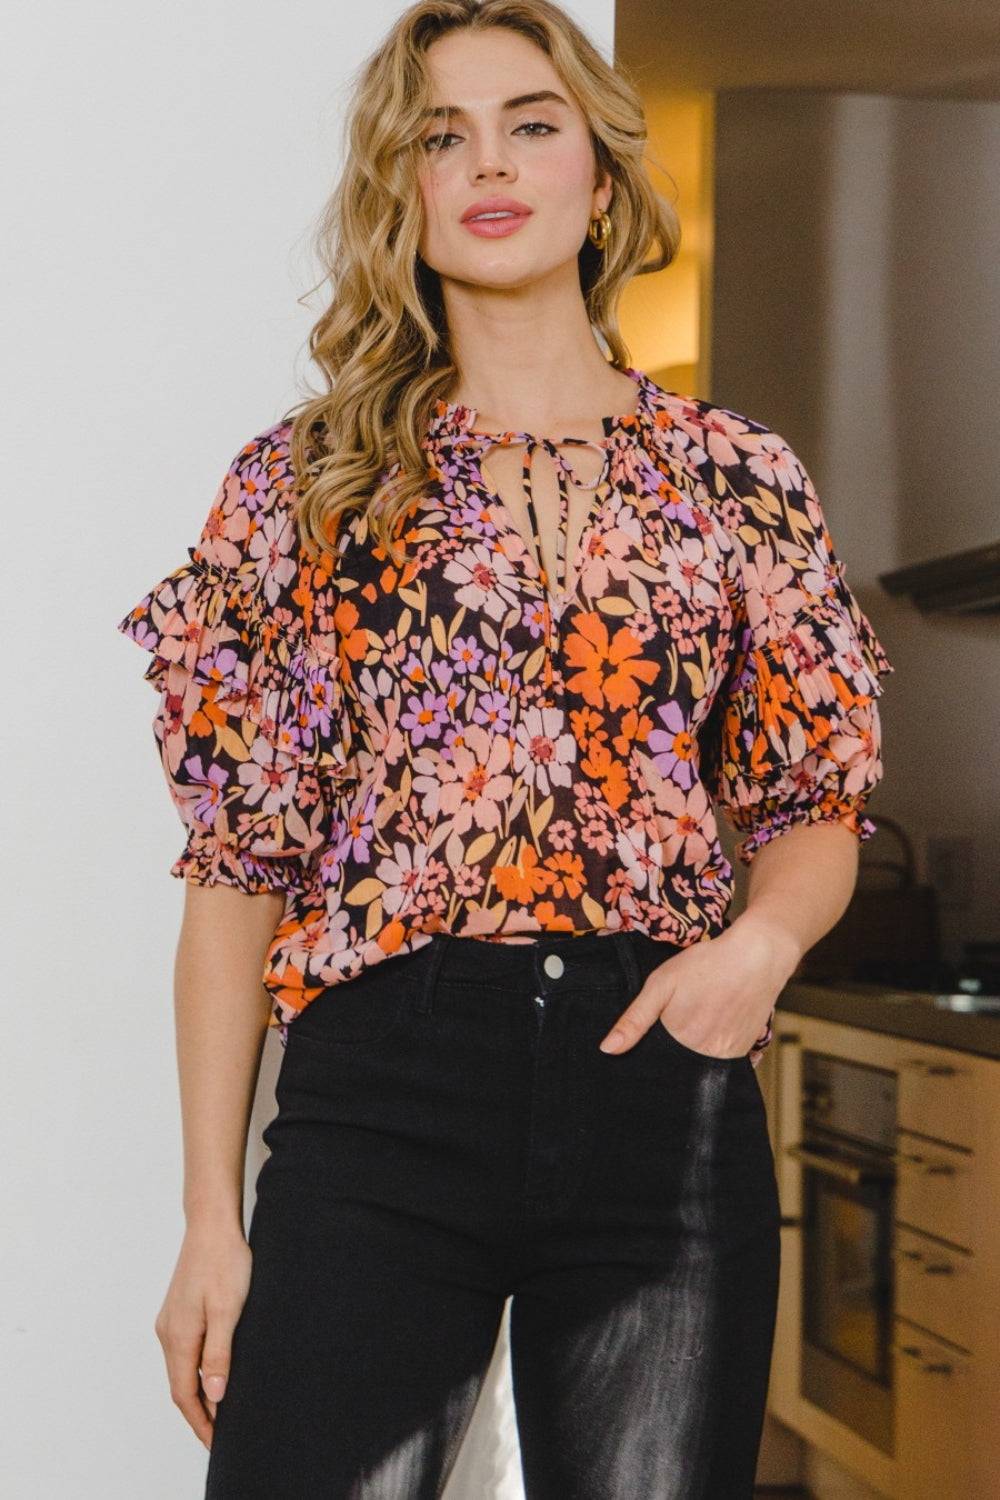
[846,1152]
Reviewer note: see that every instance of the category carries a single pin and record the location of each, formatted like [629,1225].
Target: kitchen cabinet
[945,1259]
[935,1418]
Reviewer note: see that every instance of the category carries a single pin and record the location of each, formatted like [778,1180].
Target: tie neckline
[453,426]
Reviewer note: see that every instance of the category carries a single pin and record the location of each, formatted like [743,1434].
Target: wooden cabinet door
[935,1418]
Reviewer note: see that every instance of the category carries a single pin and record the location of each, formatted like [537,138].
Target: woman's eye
[437,142]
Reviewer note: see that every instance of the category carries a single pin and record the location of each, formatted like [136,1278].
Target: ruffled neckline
[453,422]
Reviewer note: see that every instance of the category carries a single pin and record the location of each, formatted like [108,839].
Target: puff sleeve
[250,722]
[799,733]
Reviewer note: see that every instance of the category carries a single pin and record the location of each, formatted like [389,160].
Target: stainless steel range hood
[962,583]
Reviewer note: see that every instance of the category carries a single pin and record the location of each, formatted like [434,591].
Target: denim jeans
[449,1135]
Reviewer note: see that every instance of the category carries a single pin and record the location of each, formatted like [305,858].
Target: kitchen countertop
[879,1007]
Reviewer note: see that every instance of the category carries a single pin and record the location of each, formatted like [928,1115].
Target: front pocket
[702,1057]
[367,1009]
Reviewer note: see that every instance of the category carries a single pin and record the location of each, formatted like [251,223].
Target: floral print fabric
[453,745]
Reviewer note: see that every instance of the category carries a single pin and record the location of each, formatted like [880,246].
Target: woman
[448,688]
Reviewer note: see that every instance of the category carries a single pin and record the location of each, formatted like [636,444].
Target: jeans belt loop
[630,964]
[425,997]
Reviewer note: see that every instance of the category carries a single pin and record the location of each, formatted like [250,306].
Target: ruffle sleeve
[800,735]
[251,726]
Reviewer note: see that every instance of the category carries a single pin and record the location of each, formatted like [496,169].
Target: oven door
[847,1285]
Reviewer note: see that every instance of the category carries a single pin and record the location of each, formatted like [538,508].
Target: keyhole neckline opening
[453,427]
[559,596]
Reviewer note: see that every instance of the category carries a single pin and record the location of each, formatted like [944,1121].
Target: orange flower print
[611,668]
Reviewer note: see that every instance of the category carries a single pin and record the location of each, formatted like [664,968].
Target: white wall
[857,299]
[164,164]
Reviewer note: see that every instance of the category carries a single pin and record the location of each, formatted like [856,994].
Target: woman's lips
[493,229]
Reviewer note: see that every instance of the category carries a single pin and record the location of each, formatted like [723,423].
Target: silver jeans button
[553,966]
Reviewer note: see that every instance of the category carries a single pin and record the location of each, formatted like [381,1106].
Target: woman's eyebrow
[542,96]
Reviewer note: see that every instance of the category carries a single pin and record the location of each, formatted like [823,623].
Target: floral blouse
[454,745]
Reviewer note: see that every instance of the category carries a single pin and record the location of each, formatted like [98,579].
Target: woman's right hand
[196,1321]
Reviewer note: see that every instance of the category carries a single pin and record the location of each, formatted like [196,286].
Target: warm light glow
[666,318]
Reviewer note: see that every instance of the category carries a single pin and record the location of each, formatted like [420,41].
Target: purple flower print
[466,654]
[493,709]
[674,747]
[213,785]
[425,716]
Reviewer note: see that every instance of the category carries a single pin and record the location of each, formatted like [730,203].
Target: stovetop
[971,986]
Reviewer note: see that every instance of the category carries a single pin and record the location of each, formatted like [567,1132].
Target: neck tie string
[565,476]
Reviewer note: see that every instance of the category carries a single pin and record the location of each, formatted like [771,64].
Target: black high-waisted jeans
[448,1135]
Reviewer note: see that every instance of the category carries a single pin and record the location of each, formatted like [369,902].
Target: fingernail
[613,1041]
[215,1385]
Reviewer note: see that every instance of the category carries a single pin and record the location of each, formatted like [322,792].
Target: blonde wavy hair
[382,342]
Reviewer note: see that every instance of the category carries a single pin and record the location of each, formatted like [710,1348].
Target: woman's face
[539,155]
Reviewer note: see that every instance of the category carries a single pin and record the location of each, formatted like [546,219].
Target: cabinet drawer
[937,1094]
[935,1286]
[935,1417]
[934,1189]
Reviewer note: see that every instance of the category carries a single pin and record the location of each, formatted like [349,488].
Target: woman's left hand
[715,996]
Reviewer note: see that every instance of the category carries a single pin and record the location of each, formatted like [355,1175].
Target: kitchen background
[838,180]
[836,172]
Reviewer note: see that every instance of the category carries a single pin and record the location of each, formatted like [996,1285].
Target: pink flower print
[731,514]
[562,834]
[722,435]
[774,460]
[469,881]
[544,750]
[428,768]
[639,857]
[773,597]
[375,688]
[414,671]
[486,581]
[274,543]
[693,571]
[399,876]
[605,559]
[474,785]
[270,781]
[594,817]
[684,826]
[224,536]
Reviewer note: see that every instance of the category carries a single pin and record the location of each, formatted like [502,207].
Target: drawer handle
[931,1069]
[931,1167]
[932,1268]
[931,1366]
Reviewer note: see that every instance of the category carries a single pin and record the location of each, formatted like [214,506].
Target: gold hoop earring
[599,236]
